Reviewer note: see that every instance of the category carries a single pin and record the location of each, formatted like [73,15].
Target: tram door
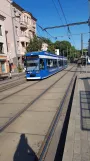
[42,67]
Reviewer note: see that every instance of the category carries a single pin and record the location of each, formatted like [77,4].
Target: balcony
[1,53]
[34,25]
[24,37]
[31,28]
[23,24]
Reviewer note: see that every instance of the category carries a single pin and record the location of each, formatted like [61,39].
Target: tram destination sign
[32,57]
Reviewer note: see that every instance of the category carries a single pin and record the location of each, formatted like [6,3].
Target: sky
[46,14]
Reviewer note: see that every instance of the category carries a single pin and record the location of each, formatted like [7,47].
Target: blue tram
[40,65]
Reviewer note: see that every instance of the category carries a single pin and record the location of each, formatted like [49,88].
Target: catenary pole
[89,29]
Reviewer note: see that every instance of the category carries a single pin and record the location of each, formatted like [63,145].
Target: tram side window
[49,63]
[59,63]
[65,62]
[54,63]
[41,64]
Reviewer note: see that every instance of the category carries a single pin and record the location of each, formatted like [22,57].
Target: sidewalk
[14,76]
[77,146]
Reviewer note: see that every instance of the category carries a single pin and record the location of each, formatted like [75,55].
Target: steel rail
[7,81]
[2,128]
[13,84]
[18,90]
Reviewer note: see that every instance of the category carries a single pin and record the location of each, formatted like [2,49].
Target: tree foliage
[35,44]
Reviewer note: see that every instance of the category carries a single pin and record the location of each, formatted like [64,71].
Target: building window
[16,29]
[24,18]
[0,30]
[17,44]
[6,32]
[23,44]
[27,44]
[29,34]
[1,47]
[19,17]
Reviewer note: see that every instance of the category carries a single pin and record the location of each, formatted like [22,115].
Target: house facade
[3,47]
[24,29]
[17,27]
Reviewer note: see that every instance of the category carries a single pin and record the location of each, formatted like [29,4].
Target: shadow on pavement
[84,78]
[24,151]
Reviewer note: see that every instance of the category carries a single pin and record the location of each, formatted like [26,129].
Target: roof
[42,53]
[17,6]
[30,15]
[23,10]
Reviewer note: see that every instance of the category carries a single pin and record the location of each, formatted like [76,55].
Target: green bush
[19,68]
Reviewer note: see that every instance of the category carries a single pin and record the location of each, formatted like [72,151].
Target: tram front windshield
[32,64]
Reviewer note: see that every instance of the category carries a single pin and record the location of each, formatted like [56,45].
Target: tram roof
[42,53]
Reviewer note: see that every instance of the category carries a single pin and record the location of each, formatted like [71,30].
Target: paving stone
[67,157]
[32,123]
[18,99]
[77,146]
[3,120]
[43,105]
[84,146]
[85,157]
[52,96]
[18,143]
[81,137]
[77,157]
[77,136]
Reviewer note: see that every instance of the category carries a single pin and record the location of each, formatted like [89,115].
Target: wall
[5,10]
[2,37]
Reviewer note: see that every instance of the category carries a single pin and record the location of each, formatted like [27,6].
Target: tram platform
[77,145]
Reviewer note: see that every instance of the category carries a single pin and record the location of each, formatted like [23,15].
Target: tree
[46,40]
[34,44]
[62,46]
[51,48]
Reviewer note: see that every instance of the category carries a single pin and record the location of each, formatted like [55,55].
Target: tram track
[11,120]
[7,96]
[17,84]
[11,85]
[8,81]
